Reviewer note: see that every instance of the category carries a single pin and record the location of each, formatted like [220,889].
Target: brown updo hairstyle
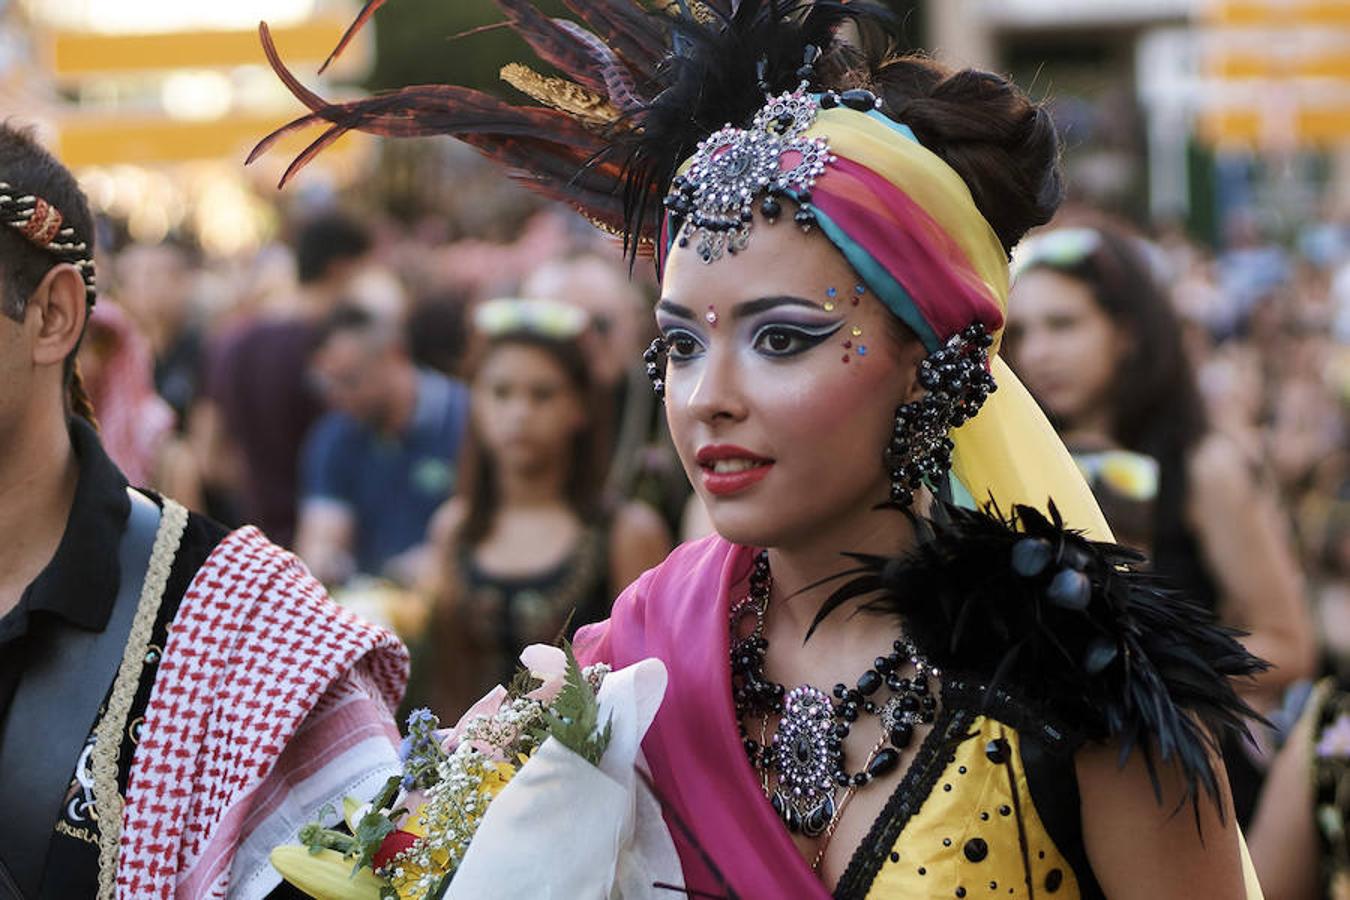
[1002,144]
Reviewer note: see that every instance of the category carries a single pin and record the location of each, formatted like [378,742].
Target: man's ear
[60,308]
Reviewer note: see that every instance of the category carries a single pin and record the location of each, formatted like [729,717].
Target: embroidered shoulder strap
[108,734]
[40,772]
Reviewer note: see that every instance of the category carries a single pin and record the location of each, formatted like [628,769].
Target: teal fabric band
[879,281]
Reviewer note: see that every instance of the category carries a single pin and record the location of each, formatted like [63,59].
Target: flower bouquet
[535,791]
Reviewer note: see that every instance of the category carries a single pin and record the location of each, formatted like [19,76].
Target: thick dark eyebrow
[741,310]
[675,309]
[764,304]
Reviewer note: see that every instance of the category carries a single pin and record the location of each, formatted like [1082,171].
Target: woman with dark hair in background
[1096,339]
[528,549]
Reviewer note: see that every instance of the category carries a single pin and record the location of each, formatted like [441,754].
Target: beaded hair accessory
[42,225]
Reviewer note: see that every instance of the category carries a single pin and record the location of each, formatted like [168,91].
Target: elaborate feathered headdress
[644,85]
[640,88]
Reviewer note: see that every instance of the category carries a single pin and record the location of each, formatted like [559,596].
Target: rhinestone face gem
[731,167]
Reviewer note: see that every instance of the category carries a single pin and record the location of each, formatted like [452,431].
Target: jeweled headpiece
[714,199]
[773,159]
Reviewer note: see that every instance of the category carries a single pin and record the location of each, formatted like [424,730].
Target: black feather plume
[1025,606]
[675,76]
[712,78]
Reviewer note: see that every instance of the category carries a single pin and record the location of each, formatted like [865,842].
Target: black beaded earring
[957,382]
[652,356]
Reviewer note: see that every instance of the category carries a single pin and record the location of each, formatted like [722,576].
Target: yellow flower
[352,811]
[495,777]
[325,875]
[414,823]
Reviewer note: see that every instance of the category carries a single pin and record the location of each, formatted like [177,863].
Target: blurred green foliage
[416,41]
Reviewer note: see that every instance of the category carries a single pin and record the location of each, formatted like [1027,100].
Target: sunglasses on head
[1059,249]
[545,318]
[1130,475]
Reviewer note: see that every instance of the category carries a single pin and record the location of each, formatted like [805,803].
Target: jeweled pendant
[807,757]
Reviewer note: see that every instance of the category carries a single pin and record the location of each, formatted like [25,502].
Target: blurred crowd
[443,412]
[1268,328]
[442,409]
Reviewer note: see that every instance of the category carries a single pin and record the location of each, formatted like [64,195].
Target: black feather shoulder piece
[1072,627]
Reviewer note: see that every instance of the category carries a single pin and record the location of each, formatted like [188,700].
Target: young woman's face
[1062,344]
[525,408]
[781,390]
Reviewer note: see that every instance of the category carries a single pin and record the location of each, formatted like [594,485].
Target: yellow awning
[1281,13]
[106,140]
[1322,126]
[81,54]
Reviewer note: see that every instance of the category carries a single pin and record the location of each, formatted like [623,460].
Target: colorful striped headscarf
[908,225]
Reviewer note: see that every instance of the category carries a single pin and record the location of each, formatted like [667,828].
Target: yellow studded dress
[1045,642]
[966,821]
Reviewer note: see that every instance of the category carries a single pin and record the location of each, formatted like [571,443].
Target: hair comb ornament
[42,225]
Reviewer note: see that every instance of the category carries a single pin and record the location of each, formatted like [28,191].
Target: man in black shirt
[174,699]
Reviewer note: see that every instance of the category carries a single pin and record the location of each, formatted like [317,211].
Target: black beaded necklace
[805,754]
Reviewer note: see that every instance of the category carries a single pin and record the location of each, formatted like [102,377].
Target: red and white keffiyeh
[270,702]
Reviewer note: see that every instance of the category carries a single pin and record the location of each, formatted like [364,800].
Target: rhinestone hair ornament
[713,200]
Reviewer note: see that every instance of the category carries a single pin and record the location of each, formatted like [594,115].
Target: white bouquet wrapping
[534,793]
[563,828]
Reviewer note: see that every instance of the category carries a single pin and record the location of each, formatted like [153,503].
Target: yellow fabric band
[1009,452]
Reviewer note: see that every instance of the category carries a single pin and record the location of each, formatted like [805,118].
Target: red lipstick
[746,468]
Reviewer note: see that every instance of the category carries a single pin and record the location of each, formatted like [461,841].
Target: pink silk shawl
[678,613]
